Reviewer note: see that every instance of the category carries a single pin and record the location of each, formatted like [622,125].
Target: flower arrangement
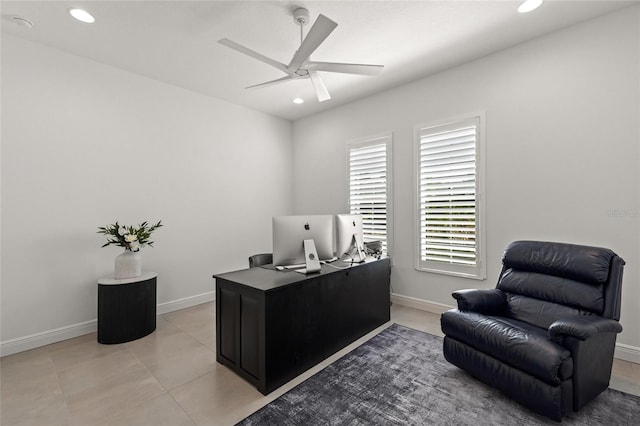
[127,236]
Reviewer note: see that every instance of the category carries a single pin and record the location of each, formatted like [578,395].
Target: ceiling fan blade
[318,85]
[317,34]
[362,69]
[240,48]
[277,81]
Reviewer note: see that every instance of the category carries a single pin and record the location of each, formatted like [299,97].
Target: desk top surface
[267,278]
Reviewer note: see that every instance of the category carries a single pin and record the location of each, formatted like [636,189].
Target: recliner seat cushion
[537,312]
[518,344]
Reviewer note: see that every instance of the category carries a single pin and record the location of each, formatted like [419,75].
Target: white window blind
[369,178]
[448,209]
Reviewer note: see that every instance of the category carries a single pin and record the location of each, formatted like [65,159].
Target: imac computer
[350,238]
[302,241]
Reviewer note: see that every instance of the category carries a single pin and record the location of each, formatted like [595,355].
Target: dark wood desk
[272,326]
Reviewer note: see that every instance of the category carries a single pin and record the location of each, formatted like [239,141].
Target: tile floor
[167,378]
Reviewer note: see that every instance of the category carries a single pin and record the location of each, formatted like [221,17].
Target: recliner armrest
[583,327]
[485,301]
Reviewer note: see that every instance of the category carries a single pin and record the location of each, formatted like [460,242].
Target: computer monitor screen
[289,233]
[349,228]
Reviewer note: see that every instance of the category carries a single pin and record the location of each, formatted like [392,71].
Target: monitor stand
[358,243]
[312,262]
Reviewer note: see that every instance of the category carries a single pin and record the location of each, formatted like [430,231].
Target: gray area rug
[400,377]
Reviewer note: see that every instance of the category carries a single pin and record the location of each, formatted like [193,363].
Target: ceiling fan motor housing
[301,16]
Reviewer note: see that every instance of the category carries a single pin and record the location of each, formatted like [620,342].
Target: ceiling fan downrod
[301,17]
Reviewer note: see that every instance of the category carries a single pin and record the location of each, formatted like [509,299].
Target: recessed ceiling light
[529,5]
[298,101]
[82,16]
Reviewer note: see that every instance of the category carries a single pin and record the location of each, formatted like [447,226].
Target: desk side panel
[226,324]
[250,334]
[240,330]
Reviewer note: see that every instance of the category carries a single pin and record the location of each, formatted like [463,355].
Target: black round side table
[126,308]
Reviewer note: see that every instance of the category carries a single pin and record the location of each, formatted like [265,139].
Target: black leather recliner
[545,336]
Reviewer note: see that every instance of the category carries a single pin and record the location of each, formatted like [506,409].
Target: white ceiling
[176,41]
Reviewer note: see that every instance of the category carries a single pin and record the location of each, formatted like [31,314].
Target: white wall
[84,144]
[562,151]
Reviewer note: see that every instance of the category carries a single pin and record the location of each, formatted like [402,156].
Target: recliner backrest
[545,281]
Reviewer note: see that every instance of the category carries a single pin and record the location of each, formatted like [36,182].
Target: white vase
[128,265]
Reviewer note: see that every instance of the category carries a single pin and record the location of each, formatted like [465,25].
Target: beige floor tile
[635,372]
[72,352]
[625,377]
[33,400]
[177,368]
[624,385]
[112,397]
[162,410]
[626,369]
[89,337]
[211,345]
[198,321]
[186,315]
[416,319]
[89,374]
[162,344]
[218,398]
[621,368]
[28,364]
[163,328]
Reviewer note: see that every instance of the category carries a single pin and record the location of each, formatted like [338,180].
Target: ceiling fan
[301,67]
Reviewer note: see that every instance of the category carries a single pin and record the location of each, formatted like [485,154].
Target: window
[369,171]
[450,209]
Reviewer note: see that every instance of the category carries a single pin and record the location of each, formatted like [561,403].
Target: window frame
[378,139]
[477,271]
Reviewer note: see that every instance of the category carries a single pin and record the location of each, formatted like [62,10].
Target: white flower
[130,238]
[134,246]
[122,231]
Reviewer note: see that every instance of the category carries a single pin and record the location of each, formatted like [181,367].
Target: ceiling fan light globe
[82,15]
[529,5]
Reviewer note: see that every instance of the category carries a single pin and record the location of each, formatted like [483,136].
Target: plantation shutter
[368,181]
[447,194]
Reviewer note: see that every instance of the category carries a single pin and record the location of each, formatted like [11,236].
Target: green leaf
[142,232]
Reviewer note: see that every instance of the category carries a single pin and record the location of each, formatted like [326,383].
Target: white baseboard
[423,305]
[623,352]
[187,302]
[33,341]
[627,353]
